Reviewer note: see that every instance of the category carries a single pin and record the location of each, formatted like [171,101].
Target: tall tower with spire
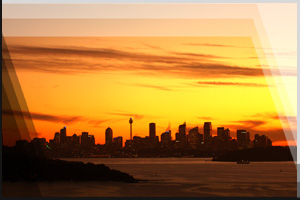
[130,122]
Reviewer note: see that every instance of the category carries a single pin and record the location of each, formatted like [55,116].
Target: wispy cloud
[153,47]
[153,86]
[275,116]
[94,52]
[207,118]
[259,125]
[277,54]
[198,55]
[97,123]
[268,51]
[210,45]
[250,123]
[135,116]
[59,118]
[266,115]
[281,70]
[76,60]
[219,83]
[286,120]
[212,70]
[43,117]
[224,45]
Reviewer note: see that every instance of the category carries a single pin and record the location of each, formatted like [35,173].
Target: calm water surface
[184,177]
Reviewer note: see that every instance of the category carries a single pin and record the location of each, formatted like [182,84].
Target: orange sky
[90,83]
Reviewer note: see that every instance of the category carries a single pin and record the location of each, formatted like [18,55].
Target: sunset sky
[91,83]
[90,66]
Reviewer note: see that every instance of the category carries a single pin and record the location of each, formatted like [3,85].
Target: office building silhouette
[243,138]
[63,135]
[108,136]
[195,138]
[152,131]
[207,129]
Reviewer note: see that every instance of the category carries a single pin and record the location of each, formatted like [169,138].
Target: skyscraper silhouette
[152,132]
[181,136]
[108,136]
[118,141]
[227,133]
[243,138]
[63,135]
[194,138]
[221,133]
[57,137]
[207,131]
[166,140]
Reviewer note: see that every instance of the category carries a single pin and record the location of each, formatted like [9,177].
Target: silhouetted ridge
[24,167]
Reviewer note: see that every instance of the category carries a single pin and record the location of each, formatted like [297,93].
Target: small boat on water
[243,162]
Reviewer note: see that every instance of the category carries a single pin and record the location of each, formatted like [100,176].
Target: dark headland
[30,165]
[275,153]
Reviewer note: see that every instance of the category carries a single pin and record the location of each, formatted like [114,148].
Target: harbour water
[183,177]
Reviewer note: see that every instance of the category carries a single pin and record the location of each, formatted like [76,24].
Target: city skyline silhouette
[163,79]
[184,143]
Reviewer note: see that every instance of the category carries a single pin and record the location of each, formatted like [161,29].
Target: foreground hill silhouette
[24,164]
[275,153]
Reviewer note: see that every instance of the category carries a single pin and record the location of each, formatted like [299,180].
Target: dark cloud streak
[215,83]
[251,123]
[153,86]
[135,116]
[207,118]
[43,117]
[226,46]
[72,61]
